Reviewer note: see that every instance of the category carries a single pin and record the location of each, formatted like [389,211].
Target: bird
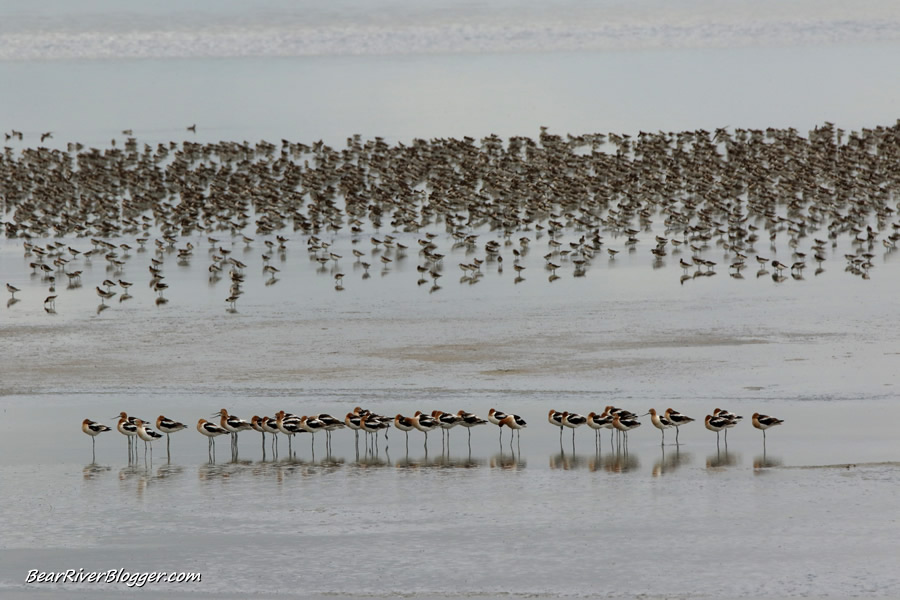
[104,294]
[733,418]
[312,425]
[598,422]
[763,422]
[232,425]
[424,423]
[573,421]
[625,425]
[677,419]
[331,424]
[12,289]
[468,420]
[716,424]
[515,423]
[168,426]
[660,422]
[554,417]
[446,421]
[289,425]
[126,427]
[496,417]
[404,424]
[93,429]
[211,431]
[146,434]
[270,425]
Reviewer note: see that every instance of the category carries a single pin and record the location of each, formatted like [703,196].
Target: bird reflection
[508,461]
[618,462]
[666,464]
[93,470]
[764,461]
[567,462]
[721,459]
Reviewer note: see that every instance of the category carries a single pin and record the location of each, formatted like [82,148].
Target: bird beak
[644,415]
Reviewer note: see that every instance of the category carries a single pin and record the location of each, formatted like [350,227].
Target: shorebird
[372,423]
[146,434]
[424,423]
[93,429]
[211,431]
[677,419]
[12,290]
[573,421]
[331,424]
[312,425]
[270,425]
[447,422]
[598,422]
[716,424]
[554,417]
[352,420]
[496,417]
[404,424]
[660,422]
[126,427]
[289,425]
[763,422]
[256,422]
[515,423]
[625,425]
[168,426]
[104,294]
[735,419]
[468,420]
[232,425]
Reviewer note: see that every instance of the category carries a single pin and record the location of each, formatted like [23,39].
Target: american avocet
[716,424]
[256,424]
[469,421]
[168,426]
[330,425]
[211,431]
[625,415]
[735,419]
[232,425]
[447,422]
[598,422]
[404,424]
[573,421]
[93,429]
[496,417]
[763,422]
[660,422]
[625,425]
[270,425]
[677,419]
[424,423]
[515,423]
[289,425]
[554,417]
[146,434]
[312,425]
[352,421]
[372,423]
[126,427]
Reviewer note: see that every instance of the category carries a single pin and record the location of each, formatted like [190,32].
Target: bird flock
[618,420]
[770,197]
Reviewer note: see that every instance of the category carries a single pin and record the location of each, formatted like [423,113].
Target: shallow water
[812,513]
